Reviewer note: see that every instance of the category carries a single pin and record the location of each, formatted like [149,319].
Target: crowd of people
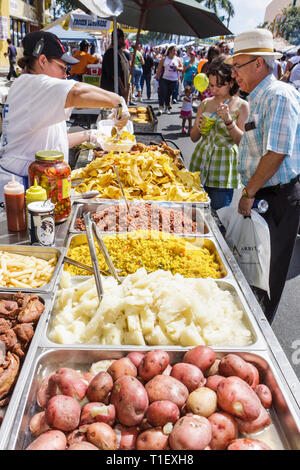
[254,142]
[252,99]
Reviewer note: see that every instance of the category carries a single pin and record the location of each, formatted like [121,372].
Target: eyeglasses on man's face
[235,68]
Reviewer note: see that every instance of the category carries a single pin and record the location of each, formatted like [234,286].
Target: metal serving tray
[76,240]
[200,205]
[45,253]
[196,214]
[283,433]
[26,366]
[258,341]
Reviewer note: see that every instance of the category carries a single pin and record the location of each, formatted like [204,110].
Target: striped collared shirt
[275,110]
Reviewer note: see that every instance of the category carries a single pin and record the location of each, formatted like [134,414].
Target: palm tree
[223,4]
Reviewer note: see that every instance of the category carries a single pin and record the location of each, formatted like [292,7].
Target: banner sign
[89,23]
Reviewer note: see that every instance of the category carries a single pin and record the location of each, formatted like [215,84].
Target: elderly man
[269,152]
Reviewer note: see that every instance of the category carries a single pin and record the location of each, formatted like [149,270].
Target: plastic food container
[104,130]
[209,123]
[53,174]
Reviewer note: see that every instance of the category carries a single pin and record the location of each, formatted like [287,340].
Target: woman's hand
[200,123]
[223,112]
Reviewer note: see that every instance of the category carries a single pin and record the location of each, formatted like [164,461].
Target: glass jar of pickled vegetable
[53,174]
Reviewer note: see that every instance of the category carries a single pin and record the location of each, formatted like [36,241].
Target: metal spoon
[87,195]
[121,186]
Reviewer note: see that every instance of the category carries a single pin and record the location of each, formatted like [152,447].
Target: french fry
[25,271]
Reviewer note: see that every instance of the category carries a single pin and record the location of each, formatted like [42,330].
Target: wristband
[229,123]
[87,136]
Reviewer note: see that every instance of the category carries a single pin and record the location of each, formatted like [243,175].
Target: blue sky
[248,14]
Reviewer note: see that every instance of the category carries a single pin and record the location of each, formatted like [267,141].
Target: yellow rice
[151,250]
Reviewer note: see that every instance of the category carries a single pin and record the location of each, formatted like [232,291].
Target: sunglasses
[235,68]
[64,68]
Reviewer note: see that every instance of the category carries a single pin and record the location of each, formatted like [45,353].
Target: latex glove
[119,123]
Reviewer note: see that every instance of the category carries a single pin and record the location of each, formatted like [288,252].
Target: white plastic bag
[249,240]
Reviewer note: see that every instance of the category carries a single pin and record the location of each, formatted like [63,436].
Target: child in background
[186,112]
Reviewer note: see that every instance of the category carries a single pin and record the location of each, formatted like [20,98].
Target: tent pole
[115,38]
[143,11]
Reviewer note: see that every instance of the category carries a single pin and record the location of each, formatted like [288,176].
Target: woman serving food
[38,104]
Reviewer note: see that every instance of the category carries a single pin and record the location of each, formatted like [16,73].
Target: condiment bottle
[14,194]
[33,194]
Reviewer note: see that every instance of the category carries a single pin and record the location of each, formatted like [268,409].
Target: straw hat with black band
[258,42]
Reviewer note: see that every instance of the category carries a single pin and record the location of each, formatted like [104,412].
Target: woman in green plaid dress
[216,153]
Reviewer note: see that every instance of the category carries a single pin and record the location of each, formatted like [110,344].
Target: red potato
[82,446]
[136,357]
[50,440]
[68,382]
[126,436]
[100,386]
[190,375]
[164,387]
[233,365]
[250,427]
[77,436]
[213,381]
[162,412]
[102,436]
[121,367]
[224,430]
[87,377]
[43,394]
[153,363]
[213,370]
[248,444]
[152,439]
[201,356]
[63,413]
[38,424]
[202,402]
[190,433]
[96,412]
[236,397]
[255,379]
[130,400]
[264,394]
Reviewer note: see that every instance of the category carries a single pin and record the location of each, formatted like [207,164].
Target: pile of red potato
[142,402]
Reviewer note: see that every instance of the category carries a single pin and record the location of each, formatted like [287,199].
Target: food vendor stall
[180,290]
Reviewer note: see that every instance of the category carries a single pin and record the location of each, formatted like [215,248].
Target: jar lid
[41,206]
[49,155]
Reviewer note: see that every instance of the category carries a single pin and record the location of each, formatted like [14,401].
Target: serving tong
[115,133]
[91,232]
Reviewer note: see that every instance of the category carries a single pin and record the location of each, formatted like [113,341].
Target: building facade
[17,18]
[275,7]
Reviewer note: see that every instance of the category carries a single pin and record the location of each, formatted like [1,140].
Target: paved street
[287,321]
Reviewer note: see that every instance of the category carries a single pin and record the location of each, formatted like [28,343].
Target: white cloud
[248,14]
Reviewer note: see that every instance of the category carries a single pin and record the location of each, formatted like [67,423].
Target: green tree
[289,29]
[214,5]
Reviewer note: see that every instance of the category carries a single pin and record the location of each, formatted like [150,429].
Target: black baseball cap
[43,42]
